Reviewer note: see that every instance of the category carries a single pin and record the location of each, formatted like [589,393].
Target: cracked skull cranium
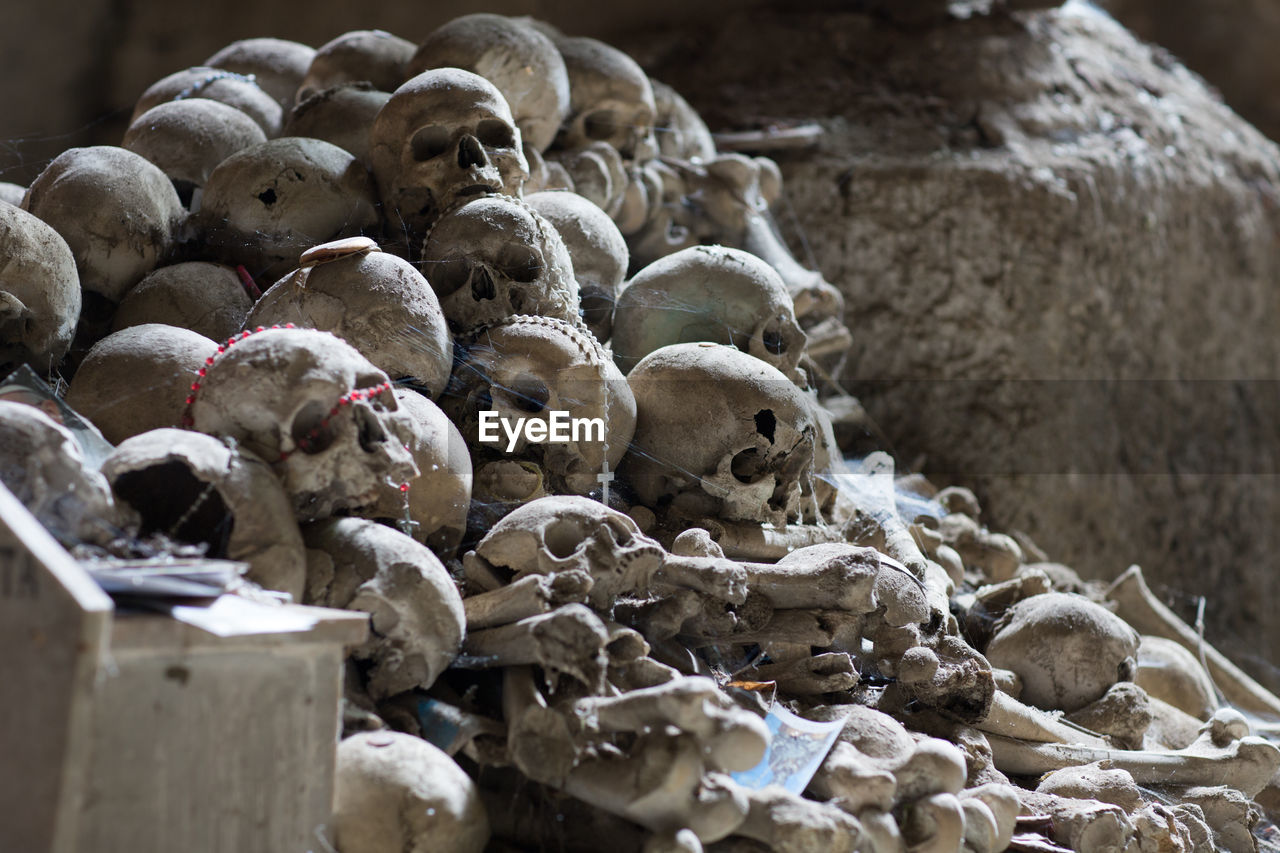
[44,468]
[445,136]
[315,409]
[720,434]
[496,257]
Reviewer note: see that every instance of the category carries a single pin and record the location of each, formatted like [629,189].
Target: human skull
[512,55]
[726,200]
[135,380]
[39,292]
[45,469]
[396,793]
[596,248]
[342,114]
[375,57]
[117,211]
[444,137]
[709,293]
[312,407]
[266,204]
[610,100]
[530,367]
[195,488]
[679,130]
[208,299]
[277,65]
[373,300]
[417,616]
[236,90]
[187,139]
[1067,650]
[562,533]
[437,502]
[597,173]
[720,434]
[495,257]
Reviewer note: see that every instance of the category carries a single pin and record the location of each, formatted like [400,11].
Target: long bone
[539,740]
[1075,824]
[529,596]
[1012,719]
[1247,763]
[569,640]
[1138,606]
[848,779]
[662,785]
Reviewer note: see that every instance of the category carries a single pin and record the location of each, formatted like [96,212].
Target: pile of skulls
[291,295]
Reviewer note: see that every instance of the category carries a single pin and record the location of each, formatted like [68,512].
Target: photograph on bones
[455,430]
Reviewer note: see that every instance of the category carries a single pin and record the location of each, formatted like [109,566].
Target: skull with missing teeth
[316,409]
[445,136]
[495,257]
[532,368]
[720,434]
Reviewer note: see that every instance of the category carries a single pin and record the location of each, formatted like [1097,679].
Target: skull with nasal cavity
[721,434]
[445,136]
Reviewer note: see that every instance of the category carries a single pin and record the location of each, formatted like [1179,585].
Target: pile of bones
[291,292]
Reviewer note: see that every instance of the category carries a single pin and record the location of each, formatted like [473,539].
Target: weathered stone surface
[1011,202]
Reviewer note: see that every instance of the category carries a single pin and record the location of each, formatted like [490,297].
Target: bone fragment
[529,596]
[569,640]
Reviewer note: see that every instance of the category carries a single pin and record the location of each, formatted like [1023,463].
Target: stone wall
[1059,252]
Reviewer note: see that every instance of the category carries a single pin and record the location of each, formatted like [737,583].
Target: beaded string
[305,443]
[188,421]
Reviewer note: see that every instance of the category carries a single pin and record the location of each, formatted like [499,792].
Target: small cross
[407,525]
[605,477]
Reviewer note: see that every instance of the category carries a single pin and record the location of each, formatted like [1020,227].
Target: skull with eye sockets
[496,257]
[721,434]
[445,136]
[529,368]
[316,410]
[709,293]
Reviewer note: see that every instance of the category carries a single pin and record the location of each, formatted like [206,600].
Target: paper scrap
[236,616]
[796,750]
